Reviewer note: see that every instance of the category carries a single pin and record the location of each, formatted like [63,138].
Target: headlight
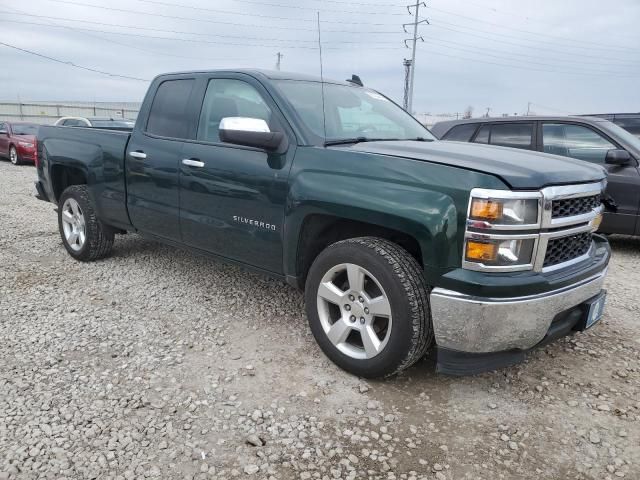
[25,144]
[502,211]
[500,252]
[502,231]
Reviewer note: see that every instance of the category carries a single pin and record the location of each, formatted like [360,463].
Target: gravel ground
[157,363]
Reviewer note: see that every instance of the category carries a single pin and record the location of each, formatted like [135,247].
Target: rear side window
[483,134]
[461,133]
[631,125]
[168,116]
[515,135]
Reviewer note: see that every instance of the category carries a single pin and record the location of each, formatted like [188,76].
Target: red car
[18,142]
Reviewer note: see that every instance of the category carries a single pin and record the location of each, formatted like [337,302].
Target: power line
[591,45]
[300,7]
[218,42]
[72,64]
[230,12]
[69,2]
[128,45]
[487,53]
[521,67]
[218,22]
[377,32]
[436,23]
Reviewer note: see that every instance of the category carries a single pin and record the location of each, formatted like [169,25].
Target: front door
[232,198]
[584,143]
[153,159]
[4,139]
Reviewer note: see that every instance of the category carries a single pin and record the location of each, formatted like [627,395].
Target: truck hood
[520,169]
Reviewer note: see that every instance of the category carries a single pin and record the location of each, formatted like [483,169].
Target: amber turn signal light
[486,209]
[479,251]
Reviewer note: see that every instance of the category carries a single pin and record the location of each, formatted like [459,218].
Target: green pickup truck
[398,240]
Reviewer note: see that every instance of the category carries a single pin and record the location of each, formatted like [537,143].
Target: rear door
[461,133]
[232,197]
[153,158]
[513,135]
[583,142]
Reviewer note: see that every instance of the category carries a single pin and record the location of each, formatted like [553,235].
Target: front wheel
[13,156]
[368,307]
[83,235]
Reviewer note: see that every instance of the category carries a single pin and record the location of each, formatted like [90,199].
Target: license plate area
[594,309]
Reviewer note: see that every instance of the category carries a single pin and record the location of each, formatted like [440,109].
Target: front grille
[563,249]
[570,207]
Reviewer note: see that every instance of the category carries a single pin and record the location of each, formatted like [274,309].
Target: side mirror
[617,157]
[250,132]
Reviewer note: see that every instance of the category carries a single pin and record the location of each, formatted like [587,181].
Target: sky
[548,56]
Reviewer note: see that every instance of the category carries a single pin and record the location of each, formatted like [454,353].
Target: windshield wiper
[421,139]
[345,141]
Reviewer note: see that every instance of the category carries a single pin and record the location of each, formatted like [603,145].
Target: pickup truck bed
[96,155]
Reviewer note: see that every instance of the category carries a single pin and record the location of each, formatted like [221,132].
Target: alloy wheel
[73,224]
[354,311]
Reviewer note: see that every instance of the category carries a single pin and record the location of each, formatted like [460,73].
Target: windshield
[22,129]
[111,124]
[624,135]
[351,112]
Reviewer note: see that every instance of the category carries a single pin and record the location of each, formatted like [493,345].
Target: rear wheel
[13,156]
[367,305]
[83,235]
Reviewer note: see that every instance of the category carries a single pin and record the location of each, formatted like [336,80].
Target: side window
[515,135]
[230,98]
[630,124]
[483,134]
[168,115]
[3,127]
[575,141]
[461,133]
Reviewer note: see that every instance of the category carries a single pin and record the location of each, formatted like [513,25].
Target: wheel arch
[319,230]
[64,176]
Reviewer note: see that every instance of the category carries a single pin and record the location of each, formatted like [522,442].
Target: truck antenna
[324,116]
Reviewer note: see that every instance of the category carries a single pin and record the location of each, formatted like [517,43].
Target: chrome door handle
[140,155]
[190,162]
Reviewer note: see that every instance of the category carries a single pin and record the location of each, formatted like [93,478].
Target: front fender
[425,201]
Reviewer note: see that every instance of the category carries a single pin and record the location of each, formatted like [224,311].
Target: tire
[76,215]
[403,333]
[13,156]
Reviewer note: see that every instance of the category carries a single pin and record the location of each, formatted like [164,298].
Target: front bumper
[477,332]
[479,325]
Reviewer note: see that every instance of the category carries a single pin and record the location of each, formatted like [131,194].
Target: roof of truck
[270,74]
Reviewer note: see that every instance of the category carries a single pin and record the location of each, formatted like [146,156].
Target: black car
[629,121]
[592,139]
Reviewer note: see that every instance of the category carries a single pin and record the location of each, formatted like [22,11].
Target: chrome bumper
[480,325]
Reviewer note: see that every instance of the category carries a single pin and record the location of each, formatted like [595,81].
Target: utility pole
[488,111]
[407,74]
[528,108]
[414,41]
[279,55]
